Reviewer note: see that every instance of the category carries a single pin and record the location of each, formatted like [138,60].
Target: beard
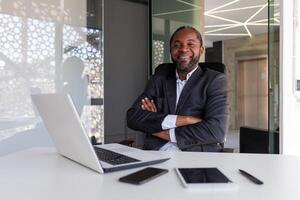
[186,68]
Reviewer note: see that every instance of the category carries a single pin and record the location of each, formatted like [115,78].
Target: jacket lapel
[170,88]
[188,88]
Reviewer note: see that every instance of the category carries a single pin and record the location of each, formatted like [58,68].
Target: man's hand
[163,135]
[148,105]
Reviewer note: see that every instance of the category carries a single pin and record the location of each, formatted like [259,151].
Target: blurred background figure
[75,82]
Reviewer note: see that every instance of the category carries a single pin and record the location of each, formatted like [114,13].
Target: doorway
[252,93]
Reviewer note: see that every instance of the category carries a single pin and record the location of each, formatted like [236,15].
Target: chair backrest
[217,66]
[255,140]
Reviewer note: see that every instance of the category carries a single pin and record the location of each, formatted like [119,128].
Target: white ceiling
[224,19]
[228,19]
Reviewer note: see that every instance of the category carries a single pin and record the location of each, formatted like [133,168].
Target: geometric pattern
[158,53]
[29,63]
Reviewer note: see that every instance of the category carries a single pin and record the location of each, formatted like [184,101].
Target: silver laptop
[65,128]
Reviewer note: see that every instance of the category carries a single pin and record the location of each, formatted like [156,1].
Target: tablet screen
[203,175]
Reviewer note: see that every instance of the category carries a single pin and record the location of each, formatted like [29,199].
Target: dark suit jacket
[204,96]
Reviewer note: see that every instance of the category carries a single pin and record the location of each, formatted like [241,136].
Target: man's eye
[176,46]
[192,45]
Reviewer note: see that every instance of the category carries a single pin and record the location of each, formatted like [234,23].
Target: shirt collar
[187,76]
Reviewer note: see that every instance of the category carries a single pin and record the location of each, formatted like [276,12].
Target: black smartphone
[143,176]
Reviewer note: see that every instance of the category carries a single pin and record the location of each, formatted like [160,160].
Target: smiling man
[183,106]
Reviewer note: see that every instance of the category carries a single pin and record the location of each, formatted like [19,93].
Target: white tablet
[204,178]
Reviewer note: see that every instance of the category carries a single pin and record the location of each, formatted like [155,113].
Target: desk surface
[41,174]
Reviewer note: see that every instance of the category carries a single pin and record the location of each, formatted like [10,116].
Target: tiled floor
[232,140]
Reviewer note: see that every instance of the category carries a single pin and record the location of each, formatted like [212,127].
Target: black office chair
[255,140]
[220,67]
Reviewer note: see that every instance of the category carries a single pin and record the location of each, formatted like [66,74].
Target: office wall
[289,105]
[125,63]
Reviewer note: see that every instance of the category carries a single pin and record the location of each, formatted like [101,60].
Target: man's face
[186,50]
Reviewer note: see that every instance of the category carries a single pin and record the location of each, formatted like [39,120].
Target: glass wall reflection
[243,35]
[47,47]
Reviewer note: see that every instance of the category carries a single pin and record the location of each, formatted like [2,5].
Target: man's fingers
[153,105]
[148,105]
[145,105]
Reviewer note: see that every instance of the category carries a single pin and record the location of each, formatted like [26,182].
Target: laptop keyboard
[113,158]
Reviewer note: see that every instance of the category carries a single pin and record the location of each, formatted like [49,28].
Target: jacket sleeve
[145,121]
[214,125]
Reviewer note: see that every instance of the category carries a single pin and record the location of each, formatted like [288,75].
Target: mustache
[189,66]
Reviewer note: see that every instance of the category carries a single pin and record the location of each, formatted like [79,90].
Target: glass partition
[47,47]
[274,62]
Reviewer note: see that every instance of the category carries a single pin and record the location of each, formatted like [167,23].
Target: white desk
[41,174]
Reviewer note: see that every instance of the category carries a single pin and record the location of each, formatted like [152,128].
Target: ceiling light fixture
[211,13]
[222,6]
[215,28]
[190,4]
[218,25]
[175,12]
[236,9]
[276,20]
[223,18]
[249,33]
[224,28]
[259,10]
[196,7]
[227,34]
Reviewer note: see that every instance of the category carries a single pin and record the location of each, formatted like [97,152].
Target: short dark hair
[198,34]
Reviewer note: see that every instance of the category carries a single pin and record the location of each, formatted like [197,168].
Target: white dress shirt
[169,121]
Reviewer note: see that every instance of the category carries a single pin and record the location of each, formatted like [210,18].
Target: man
[183,106]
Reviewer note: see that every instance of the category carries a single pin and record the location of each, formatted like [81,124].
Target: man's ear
[201,50]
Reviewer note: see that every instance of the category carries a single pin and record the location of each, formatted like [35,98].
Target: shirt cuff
[172,135]
[169,122]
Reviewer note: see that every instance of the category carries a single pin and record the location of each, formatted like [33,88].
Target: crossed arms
[208,127]
[149,105]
